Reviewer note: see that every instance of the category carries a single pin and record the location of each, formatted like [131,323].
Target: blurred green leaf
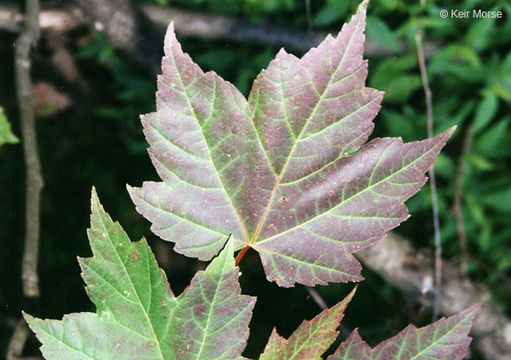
[449,112]
[398,123]
[392,76]
[378,31]
[500,200]
[479,162]
[491,143]
[444,166]
[458,60]
[333,11]
[480,33]
[6,135]
[486,110]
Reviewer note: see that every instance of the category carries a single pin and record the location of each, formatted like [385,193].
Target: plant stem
[27,38]
[432,179]
[241,254]
[34,183]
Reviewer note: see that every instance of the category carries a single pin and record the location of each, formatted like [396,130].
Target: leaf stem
[241,254]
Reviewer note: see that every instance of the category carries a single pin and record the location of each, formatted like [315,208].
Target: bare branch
[18,339]
[196,25]
[27,38]
[431,173]
[316,297]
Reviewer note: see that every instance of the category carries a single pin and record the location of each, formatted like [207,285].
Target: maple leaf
[287,172]
[311,339]
[444,339]
[138,316]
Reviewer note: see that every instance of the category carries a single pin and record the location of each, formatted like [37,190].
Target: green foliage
[138,317]
[6,135]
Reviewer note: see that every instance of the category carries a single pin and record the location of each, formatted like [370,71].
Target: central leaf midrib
[66,344]
[295,142]
[210,310]
[149,322]
[305,341]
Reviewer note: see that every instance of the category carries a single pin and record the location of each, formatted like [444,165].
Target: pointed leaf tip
[94,196]
[311,339]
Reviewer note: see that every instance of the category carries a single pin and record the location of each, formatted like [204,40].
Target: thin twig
[457,207]
[34,182]
[27,38]
[345,331]
[432,180]
[309,16]
[18,338]
[316,297]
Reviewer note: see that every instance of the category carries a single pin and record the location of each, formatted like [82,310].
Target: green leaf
[311,339]
[493,142]
[479,162]
[485,112]
[138,317]
[286,172]
[479,34]
[392,76]
[499,200]
[444,339]
[332,11]
[6,135]
[379,32]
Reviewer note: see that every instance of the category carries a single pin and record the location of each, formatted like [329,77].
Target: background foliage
[98,141]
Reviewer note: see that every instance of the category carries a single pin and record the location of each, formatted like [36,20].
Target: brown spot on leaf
[134,255]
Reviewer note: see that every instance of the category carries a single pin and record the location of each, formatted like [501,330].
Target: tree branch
[27,38]
[190,24]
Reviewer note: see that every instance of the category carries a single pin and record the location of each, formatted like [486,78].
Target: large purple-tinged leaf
[444,339]
[311,339]
[138,317]
[287,172]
